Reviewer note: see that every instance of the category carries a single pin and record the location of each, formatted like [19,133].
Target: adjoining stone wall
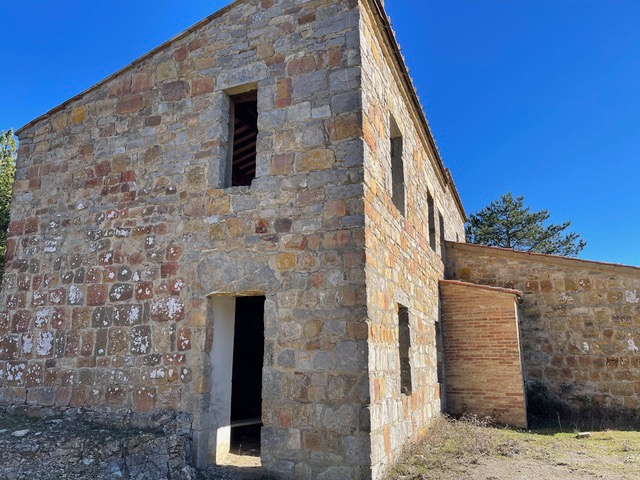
[482,360]
[401,267]
[121,230]
[580,329]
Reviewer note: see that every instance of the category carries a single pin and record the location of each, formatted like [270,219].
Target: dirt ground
[456,450]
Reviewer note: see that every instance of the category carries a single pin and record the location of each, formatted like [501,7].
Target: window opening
[443,248]
[440,364]
[244,121]
[432,222]
[404,344]
[397,168]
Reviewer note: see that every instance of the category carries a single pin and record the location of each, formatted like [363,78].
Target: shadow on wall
[545,409]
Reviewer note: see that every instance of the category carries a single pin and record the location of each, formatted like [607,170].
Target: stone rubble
[69,446]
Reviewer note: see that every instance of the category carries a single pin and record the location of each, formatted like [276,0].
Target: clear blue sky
[537,97]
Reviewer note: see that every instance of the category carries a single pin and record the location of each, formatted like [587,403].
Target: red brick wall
[483,370]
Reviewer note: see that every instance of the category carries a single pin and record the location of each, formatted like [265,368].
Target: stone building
[249,225]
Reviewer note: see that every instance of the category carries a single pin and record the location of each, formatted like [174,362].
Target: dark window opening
[440,365]
[246,383]
[443,248]
[244,118]
[404,343]
[397,168]
[432,222]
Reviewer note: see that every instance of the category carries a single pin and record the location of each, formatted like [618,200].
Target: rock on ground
[70,447]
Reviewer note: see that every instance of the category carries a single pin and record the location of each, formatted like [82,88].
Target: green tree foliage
[507,223]
[7,173]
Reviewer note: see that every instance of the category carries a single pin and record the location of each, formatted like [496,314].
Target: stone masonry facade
[125,233]
[580,327]
[128,242]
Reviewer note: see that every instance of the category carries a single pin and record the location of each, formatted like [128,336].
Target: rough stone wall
[121,230]
[580,328]
[482,352]
[401,267]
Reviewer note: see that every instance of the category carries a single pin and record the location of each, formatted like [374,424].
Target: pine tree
[507,223]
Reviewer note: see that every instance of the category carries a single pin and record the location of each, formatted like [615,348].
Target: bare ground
[473,450]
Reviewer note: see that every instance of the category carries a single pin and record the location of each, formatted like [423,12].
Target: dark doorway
[246,386]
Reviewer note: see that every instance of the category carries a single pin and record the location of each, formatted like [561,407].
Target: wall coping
[508,291]
[545,258]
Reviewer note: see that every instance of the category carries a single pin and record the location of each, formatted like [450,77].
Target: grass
[460,448]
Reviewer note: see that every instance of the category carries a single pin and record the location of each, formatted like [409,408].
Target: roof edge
[543,257]
[150,53]
[509,291]
[406,78]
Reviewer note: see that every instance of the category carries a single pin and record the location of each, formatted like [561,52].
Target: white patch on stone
[111,275]
[42,317]
[136,277]
[122,233]
[134,314]
[178,285]
[55,297]
[74,295]
[170,307]
[631,296]
[632,345]
[117,292]
[150,241]
[80,206]
[44,344]
[565,297]
[27,344]
[585,347]
[14,372]
[101,351]
[158,373]
[112,215]
[107,257]
[141,344]
[50,246]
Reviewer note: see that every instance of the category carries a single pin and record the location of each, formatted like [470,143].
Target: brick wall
[482,362]
[580,329]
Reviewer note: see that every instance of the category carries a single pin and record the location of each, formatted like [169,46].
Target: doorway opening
[236,379]
[246,382]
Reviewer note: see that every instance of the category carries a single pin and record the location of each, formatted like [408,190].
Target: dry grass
[473,448]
